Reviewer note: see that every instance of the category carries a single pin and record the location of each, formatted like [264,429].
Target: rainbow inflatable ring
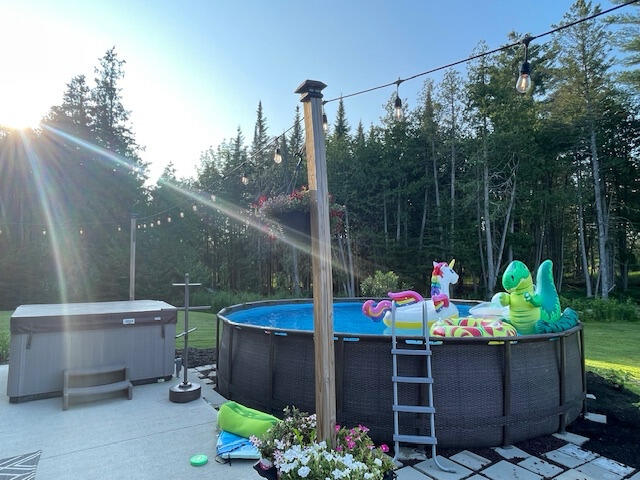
[472,327]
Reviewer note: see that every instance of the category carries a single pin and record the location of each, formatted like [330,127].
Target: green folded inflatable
[244,421]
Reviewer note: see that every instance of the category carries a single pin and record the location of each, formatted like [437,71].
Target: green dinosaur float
[533,308]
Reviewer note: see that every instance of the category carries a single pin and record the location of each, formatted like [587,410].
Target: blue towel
[233,446]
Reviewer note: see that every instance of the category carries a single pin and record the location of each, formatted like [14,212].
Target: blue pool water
[347,317]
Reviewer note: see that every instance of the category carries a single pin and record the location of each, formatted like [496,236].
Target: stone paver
[571,438]
[470,460]
[429,467]
[504,470]
[596,471]
[635,477]
[477,476]
[511,452]
[577,452]
[409,453]
[596,417]
[563,459]
[573,475]
[539,466]
[613,466]
[409,473]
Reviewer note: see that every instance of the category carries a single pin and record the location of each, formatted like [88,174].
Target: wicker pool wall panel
[485,393]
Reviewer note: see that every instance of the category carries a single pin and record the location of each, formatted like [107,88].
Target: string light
[44,233]
[398,112]
[523,84]
[81,231]
[138,227]
[144,225]
[277,156]
[119,228]
[194,207]
[244,179]
[168,219]
[325,122]
[213,197]
[181,214]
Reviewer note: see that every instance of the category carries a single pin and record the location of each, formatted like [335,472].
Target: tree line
[474,171]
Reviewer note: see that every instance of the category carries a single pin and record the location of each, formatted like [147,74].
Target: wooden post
[311,96]
[132,259]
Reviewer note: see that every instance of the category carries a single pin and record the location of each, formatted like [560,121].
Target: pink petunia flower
[384,447]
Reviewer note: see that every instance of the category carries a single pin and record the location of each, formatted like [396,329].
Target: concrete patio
[147,437]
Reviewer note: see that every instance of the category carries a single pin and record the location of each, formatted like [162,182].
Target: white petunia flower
[378,462]
[304,471]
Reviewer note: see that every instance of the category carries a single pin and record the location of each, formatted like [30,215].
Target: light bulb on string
[194,207]
[213,197]
[168,219]
[398,111]
[138,227]
[158,222]
[119,228]
[277,155]
[181,214]
[523,84]
[81,231]
[151,225]
[44,233]
[244,179]
[144,226]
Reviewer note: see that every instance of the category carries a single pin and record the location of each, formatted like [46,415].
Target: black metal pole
[185,354]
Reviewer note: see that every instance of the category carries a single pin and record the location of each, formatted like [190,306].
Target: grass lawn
[614,347]
[204,336]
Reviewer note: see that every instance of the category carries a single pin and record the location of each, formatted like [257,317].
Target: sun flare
[18,117]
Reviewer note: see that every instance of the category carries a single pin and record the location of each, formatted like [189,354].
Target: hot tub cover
[89,316]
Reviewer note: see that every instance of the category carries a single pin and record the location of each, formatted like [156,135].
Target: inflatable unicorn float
[411,304]
[441,315]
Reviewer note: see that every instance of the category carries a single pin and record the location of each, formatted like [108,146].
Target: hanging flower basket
[291,213]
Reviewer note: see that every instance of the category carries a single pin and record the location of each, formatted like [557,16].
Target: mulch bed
[619,439]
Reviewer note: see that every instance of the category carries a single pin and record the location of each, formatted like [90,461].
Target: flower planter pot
[296,223]
[271,473]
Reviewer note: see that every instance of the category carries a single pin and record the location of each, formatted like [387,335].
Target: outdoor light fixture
[119,228]
[168,219]
[81,231]
[244,180]
[277,156]
[523,85]
[158,222]
[213,197]
[151,225]
[181,214]
[195,208]
[44,232]
[398,112]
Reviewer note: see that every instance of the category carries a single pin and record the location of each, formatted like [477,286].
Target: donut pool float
[472,327]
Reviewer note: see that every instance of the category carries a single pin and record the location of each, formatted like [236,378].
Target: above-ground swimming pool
[487,392]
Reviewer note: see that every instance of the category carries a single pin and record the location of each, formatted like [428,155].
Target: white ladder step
[418,439]
[413,409]
[412,379]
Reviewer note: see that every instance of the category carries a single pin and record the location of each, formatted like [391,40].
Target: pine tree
[341,128]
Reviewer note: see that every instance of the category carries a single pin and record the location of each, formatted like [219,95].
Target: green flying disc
[198,460]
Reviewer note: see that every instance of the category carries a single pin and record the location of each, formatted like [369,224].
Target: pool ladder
[428,380]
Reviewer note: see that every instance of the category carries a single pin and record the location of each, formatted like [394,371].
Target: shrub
[599,310]
[379,284]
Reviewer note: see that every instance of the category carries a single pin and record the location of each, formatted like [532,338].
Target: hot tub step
[417,439]
[412,379]
[413,409]
[406,351]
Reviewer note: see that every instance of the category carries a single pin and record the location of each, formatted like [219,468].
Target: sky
[195,70]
